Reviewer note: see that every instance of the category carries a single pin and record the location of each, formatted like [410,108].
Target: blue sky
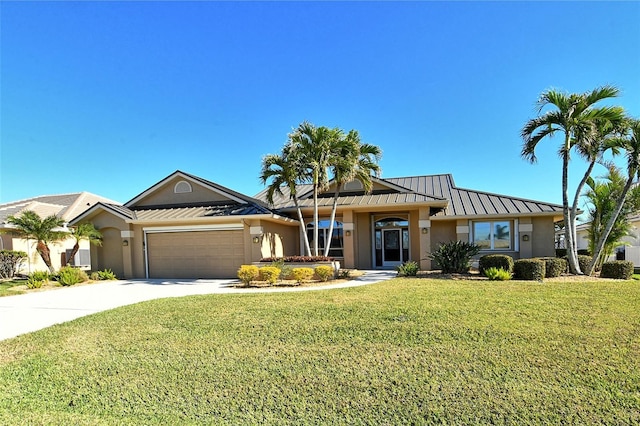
[111,97]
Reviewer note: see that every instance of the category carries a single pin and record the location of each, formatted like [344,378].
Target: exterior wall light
[525,237]
[425,230]
[347,233]
[125,243]
[256,240]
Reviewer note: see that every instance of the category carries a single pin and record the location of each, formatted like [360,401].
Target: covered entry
[194,253]
[391,241]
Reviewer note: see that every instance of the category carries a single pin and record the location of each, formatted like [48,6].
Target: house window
[492,235]
[337,241]
[81,259]
[182,187]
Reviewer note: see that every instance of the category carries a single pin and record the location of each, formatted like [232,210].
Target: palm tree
[631,146]
[281,170]
[576,118]
[601,197]
[352,160]
[45,231]
[310,147]
[84,231]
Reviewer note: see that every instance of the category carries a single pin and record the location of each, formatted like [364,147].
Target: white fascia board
[194,228]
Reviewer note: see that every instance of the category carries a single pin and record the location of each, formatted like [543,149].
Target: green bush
[37,279]
[584,252]
[497,274]
[408,269]
[104,275]
[529,269]
[495,261]
[454,256]
[554,267]
[301,274]
[584,261]
[618,269]
[269,274]
[248,273]
[285,269]
[10,262]
[324,272]
[68,275]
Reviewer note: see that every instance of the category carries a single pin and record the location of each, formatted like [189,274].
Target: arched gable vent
[354,185]
[182,187]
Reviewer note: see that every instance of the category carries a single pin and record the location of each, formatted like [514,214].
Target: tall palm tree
[84,231]
[631,146]
[352,160]
[311,148]
[576,118]
[45,231]
[281,170]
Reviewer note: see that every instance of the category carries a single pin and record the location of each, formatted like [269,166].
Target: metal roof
[430,189]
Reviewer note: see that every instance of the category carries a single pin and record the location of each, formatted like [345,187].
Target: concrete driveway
[34,311]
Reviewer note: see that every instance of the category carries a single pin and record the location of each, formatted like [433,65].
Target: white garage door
[198,254]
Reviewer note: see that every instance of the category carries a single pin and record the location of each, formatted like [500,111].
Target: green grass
[7,288]
[405,351]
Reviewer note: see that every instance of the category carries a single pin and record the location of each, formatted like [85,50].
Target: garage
[195,254]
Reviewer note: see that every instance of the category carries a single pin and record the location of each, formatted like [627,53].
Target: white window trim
[514,234]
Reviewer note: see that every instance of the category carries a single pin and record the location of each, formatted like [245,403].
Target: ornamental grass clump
[269,274]
[497,274]
[455,256]
[301,275]
[408,269]
[69,275]
[324,272]
[248,273]
[37,279]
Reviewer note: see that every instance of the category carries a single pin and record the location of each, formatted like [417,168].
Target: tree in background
[576,118]
[45,231]
[84,231]
[630,143]
[601,199]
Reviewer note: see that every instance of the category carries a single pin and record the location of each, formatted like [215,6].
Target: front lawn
[11,287]
[405,351]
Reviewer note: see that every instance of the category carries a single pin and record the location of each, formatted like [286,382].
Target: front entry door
[391,247]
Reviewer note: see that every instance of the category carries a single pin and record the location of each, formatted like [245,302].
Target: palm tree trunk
[572,253]
[607,230]
[315,219]
[327,244]
[45,254]
[303,227]
[576,198]
[74,250]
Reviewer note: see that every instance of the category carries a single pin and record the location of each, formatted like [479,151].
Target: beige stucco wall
[362,241]
[542,241]
[277,240]
[166,196]
[35,262]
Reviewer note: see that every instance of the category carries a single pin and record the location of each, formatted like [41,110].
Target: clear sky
[111,97]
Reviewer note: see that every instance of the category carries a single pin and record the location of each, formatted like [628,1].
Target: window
[492,235]
[182,187]
[336,249]
[81,259]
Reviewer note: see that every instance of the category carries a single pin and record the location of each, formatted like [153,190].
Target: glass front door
[391,247]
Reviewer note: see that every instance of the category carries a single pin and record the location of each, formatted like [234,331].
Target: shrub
[285,270]
[301,274]
[325,272]
[455,256]
[297,259]
[408,269]
[104,275]
[10,262]
[497,274]
[269,274]
[495,261]
[37,279]
[618,269]
[248,273]
[554,267]
[529,269]
[584,261]
[69,275]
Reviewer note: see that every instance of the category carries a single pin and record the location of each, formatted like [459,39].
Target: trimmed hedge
[584,261]
[498,261]
[554,267]
[325,272]
[529,269]
[301,274]
[269,274]
[618,269]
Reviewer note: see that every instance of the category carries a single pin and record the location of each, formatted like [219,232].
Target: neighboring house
[65,206]
[629,251]
[187,227]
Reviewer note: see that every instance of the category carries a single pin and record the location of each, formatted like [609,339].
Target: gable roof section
[226,192]
[65,206]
